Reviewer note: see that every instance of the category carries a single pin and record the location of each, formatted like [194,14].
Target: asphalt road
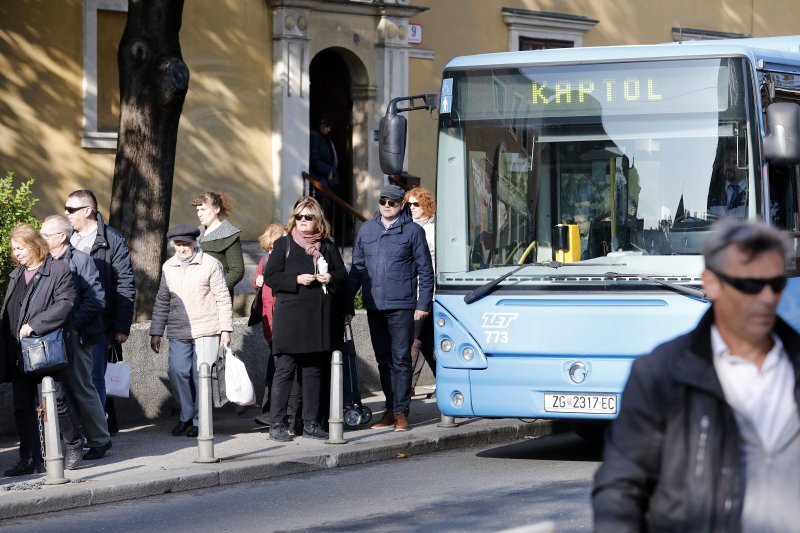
[476,489]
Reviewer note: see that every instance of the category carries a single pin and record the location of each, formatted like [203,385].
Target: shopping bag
[118,374]
[238,387]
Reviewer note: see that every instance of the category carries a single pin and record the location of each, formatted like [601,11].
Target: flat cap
[183,233]
[392,192]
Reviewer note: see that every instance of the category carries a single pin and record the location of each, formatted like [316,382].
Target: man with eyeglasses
[87,331]
[708,435]
[389,256]
[110,253]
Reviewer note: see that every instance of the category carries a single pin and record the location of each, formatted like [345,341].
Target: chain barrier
[41,417]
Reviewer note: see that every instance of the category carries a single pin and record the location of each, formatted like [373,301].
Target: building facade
[264,71]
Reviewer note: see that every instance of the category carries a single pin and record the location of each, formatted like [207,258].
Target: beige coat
[192,301]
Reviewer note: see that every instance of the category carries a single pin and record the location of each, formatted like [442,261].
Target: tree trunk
[153,81]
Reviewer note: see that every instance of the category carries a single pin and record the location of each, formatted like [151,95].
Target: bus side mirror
[392,143]
[782,143]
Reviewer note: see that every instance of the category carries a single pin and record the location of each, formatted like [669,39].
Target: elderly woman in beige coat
[194,305]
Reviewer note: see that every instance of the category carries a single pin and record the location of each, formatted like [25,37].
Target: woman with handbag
[39,301]
[304,271]
[194,306]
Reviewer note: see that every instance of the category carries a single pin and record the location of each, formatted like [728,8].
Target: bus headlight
[457,399]
[468,353]
[446,345]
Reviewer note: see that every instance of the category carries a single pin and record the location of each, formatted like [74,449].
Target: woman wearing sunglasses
[304,270]
[423,211]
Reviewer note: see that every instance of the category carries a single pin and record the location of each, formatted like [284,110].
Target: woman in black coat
[40,298]
[304,270]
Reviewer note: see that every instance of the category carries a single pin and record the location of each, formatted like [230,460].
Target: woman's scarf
[310,243]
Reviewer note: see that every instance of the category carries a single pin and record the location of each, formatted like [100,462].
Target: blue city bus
[575,188]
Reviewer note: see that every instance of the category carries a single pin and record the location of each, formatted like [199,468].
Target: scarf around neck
[310,243]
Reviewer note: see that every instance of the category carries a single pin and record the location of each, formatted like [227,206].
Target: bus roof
[781,50]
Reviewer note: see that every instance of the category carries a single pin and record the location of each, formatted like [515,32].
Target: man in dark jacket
[110,253]
[389,256]
[708,436]
[323,162]
[87,330]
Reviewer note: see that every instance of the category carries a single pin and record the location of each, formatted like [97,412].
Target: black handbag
[45,354]
[256,308]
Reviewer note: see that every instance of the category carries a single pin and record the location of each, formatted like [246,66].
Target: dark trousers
[325,202]
[26,399]
[295,399]
[423,345]
[310,366]
[392,333]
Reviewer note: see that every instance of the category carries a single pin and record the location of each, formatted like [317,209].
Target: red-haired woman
[423,211]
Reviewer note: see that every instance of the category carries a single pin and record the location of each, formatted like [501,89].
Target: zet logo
[498,320]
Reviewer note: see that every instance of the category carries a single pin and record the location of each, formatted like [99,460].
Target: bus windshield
[634,159]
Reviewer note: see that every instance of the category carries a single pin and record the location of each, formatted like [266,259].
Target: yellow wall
[454,28]
[223,140]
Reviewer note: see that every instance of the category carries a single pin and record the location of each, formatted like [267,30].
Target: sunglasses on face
[305,217]
[390,203]
[72,210]
[753,285]
[413,204]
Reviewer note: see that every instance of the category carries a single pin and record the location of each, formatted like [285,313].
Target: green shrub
[15,209]
[358,301]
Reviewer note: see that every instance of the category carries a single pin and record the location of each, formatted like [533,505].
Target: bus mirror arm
[392,132]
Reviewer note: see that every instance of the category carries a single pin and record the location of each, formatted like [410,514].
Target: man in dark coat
[708,436]
[87,329]
[323,162]
[110,253]
[389,256]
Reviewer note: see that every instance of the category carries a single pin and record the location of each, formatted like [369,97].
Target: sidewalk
[148,461]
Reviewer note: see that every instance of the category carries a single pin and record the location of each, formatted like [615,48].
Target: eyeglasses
[753,285]
[305,217]
[413,204]
[72,210]
[48,235]
[386,201]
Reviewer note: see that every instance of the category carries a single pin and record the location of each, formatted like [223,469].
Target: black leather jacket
[671,460]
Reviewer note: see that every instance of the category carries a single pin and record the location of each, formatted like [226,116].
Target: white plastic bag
[238,387]
[118,380]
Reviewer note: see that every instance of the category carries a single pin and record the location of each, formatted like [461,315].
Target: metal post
[53,457]
[205,433]
[335,417]
[447,421]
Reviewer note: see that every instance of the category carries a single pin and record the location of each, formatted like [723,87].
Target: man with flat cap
[194,306]
[392,267]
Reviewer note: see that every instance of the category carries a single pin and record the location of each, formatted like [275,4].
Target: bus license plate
[601,404]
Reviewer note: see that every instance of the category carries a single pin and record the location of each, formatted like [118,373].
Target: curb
[86,493]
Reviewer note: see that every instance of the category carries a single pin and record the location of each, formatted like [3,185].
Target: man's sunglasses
[753,285]
[72,210]
[305,217]
[390,203]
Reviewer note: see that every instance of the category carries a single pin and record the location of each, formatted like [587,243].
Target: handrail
[333,196]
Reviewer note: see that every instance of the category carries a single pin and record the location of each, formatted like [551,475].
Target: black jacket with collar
[113,261]
[50,308]
[671,460]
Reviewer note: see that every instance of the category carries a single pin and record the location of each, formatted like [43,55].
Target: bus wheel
[591,430]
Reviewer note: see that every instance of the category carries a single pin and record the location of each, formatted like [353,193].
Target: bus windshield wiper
[476,294]
[688,291]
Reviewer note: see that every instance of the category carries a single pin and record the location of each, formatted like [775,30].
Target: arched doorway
[333,75]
